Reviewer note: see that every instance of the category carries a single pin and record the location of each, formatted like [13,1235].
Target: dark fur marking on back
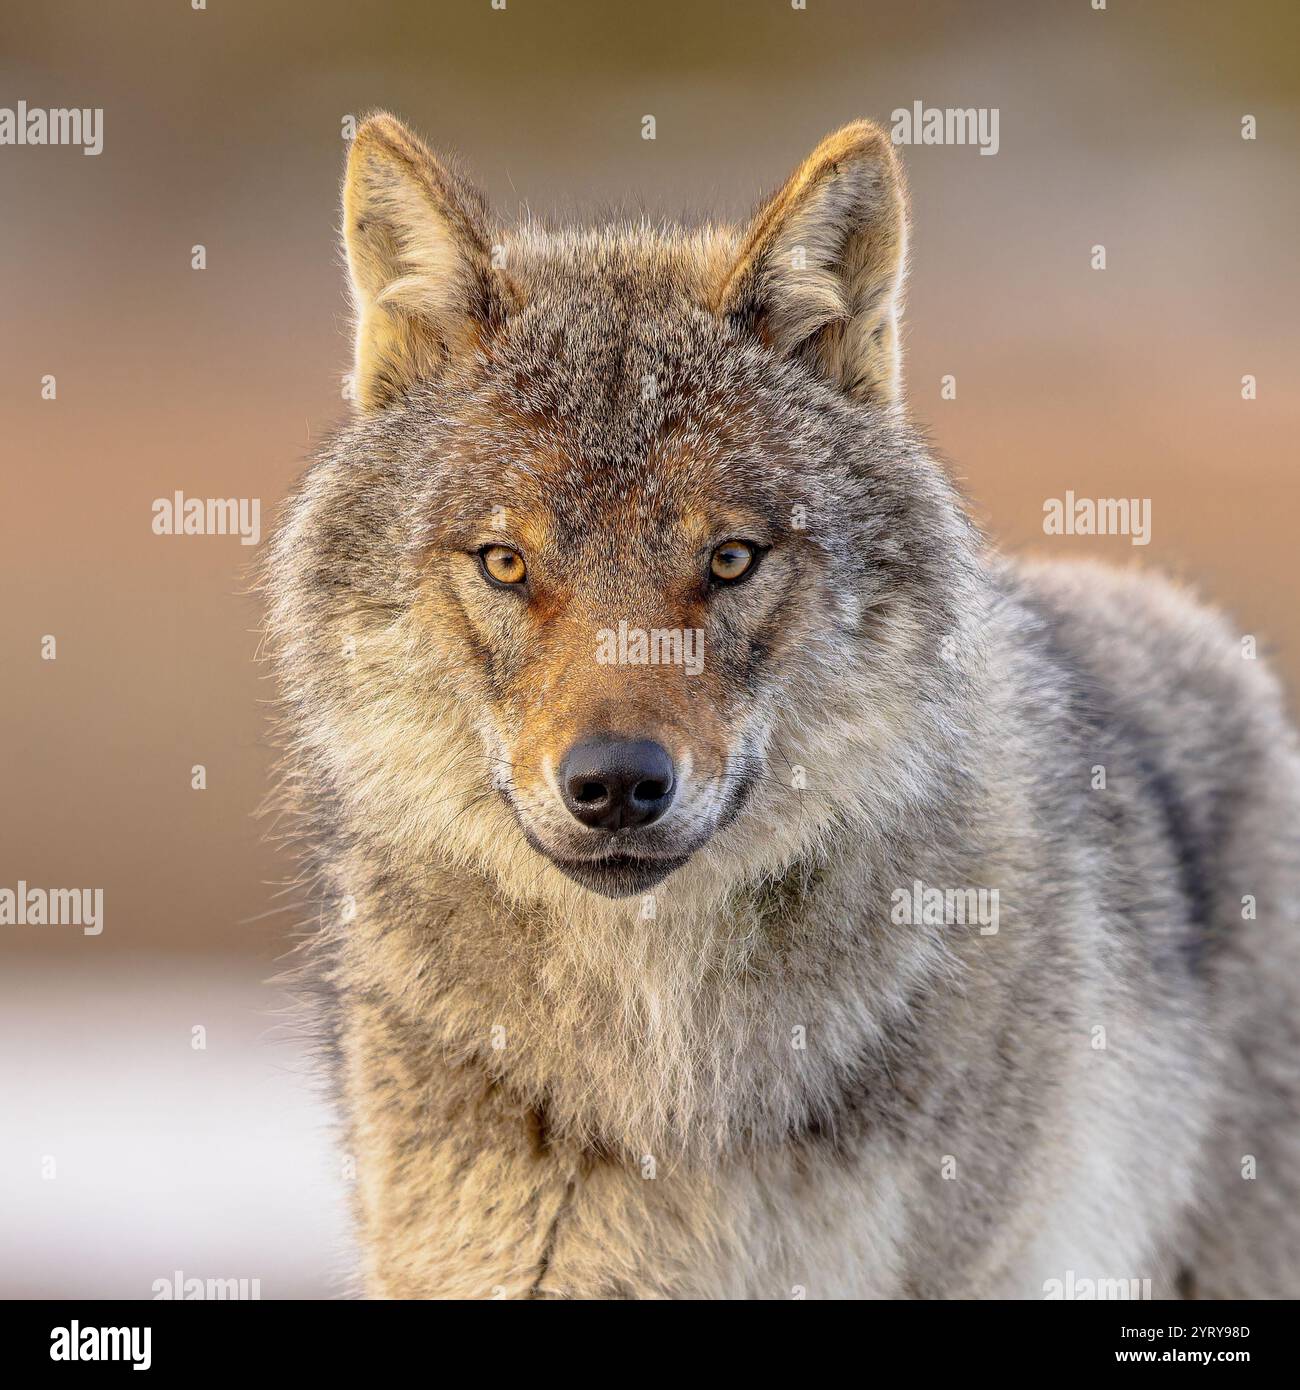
[1091,707]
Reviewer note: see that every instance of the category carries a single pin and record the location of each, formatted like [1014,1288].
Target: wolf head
[628,567]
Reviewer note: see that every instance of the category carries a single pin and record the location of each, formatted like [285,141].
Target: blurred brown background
[222,127]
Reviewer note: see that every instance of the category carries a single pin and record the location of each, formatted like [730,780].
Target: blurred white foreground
[218,1163]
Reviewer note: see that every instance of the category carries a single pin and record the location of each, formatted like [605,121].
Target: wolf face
[627,532]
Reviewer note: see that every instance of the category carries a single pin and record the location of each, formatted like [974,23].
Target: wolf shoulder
[1135,638]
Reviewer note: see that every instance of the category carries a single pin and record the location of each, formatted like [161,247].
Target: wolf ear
[819,273]
[420,258]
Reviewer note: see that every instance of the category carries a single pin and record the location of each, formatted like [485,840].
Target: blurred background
[126,1154]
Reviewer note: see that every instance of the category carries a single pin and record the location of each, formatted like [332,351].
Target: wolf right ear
[420,258]
[819,273]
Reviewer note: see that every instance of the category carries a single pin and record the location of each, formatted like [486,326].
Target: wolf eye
[732,561]
[502,565]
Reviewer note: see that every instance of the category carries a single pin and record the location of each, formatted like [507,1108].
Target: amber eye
[732,560]
[502,565]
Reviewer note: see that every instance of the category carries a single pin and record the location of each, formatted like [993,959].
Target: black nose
[610,783]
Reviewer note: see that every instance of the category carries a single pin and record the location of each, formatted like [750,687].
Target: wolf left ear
[819,273]
[420,258]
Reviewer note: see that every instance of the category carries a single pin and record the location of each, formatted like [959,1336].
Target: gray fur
[648,1125]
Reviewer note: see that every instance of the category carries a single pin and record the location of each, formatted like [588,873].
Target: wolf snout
[614,784]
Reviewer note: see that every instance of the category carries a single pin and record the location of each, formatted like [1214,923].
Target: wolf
[603,955]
